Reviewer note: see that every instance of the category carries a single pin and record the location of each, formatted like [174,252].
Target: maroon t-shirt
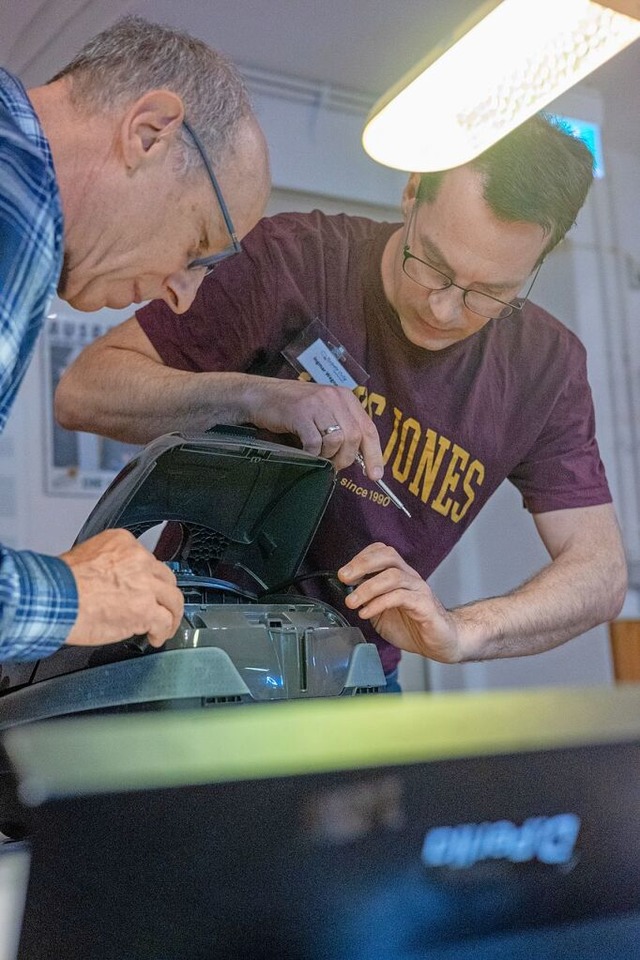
[512,401]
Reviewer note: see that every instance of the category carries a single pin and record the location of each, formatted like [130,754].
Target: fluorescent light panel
[510,64]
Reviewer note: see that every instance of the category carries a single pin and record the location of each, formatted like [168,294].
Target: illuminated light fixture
[506,62]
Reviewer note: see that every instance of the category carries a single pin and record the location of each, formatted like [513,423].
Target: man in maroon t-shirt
[449,381]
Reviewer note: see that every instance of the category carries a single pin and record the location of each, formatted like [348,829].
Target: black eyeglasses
[210,262]
[491,308]
[428,276]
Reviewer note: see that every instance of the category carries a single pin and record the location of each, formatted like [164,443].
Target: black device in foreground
[452,827]
[244,512]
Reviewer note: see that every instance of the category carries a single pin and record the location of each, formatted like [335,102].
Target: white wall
[317,160]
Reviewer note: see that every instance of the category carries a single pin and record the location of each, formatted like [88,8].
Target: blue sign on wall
[589,133]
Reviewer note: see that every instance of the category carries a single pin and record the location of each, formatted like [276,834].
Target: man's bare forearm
[130,397]
[119,387]
[562,601]
[584,585]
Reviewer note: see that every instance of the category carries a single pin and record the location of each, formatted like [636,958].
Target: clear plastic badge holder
[317,353]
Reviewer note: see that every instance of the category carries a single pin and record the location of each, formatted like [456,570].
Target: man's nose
[181,288]
[446,305]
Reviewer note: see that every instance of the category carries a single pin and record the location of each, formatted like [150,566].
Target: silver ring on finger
[331,429]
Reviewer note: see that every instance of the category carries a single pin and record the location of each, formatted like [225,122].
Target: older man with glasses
[104,198]
[431,361]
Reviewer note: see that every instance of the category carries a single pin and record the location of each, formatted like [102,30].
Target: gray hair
[133,56]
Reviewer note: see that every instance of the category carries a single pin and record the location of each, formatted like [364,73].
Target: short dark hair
[538,173]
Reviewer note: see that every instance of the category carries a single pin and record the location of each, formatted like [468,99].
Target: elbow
[617,587]
[617,605]
[67,407]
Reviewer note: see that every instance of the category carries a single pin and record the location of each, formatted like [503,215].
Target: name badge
[318,353]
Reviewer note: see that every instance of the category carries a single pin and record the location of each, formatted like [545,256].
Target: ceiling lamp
[506,62]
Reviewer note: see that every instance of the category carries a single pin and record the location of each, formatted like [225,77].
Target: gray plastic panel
[173,675]
[331,664]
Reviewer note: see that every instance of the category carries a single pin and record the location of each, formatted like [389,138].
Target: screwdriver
[379,483]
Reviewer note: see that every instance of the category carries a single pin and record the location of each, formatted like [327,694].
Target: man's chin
[78,299]
[84,304]
[423,334]
[94,293]
[87,303]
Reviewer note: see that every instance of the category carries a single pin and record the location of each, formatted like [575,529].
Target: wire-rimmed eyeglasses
[484,305]
[210,262]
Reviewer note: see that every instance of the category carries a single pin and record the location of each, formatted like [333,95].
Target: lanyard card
[316,352]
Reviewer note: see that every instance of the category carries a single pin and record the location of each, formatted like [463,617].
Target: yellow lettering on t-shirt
[393,439]
[404,441]
[434,450]
[475,468]
[376,404]
[361,393]
[459,456]
[409,439]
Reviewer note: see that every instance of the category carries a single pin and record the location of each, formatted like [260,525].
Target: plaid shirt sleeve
[38,595]
[30,235]
[38,604]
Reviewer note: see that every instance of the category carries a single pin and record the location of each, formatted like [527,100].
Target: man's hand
[119,387]
[309,410]
[400,605]
[584,585]
[122,590]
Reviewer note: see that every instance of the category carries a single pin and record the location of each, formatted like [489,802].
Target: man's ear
[150,126]
[409,194]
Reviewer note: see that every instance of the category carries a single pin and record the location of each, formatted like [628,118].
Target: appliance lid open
[243,504]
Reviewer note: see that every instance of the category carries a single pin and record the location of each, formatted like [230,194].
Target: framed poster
[75,463]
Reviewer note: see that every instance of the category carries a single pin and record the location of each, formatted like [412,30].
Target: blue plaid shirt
[38,596]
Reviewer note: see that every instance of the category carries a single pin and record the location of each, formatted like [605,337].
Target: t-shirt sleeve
[563,470]
[226,328]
